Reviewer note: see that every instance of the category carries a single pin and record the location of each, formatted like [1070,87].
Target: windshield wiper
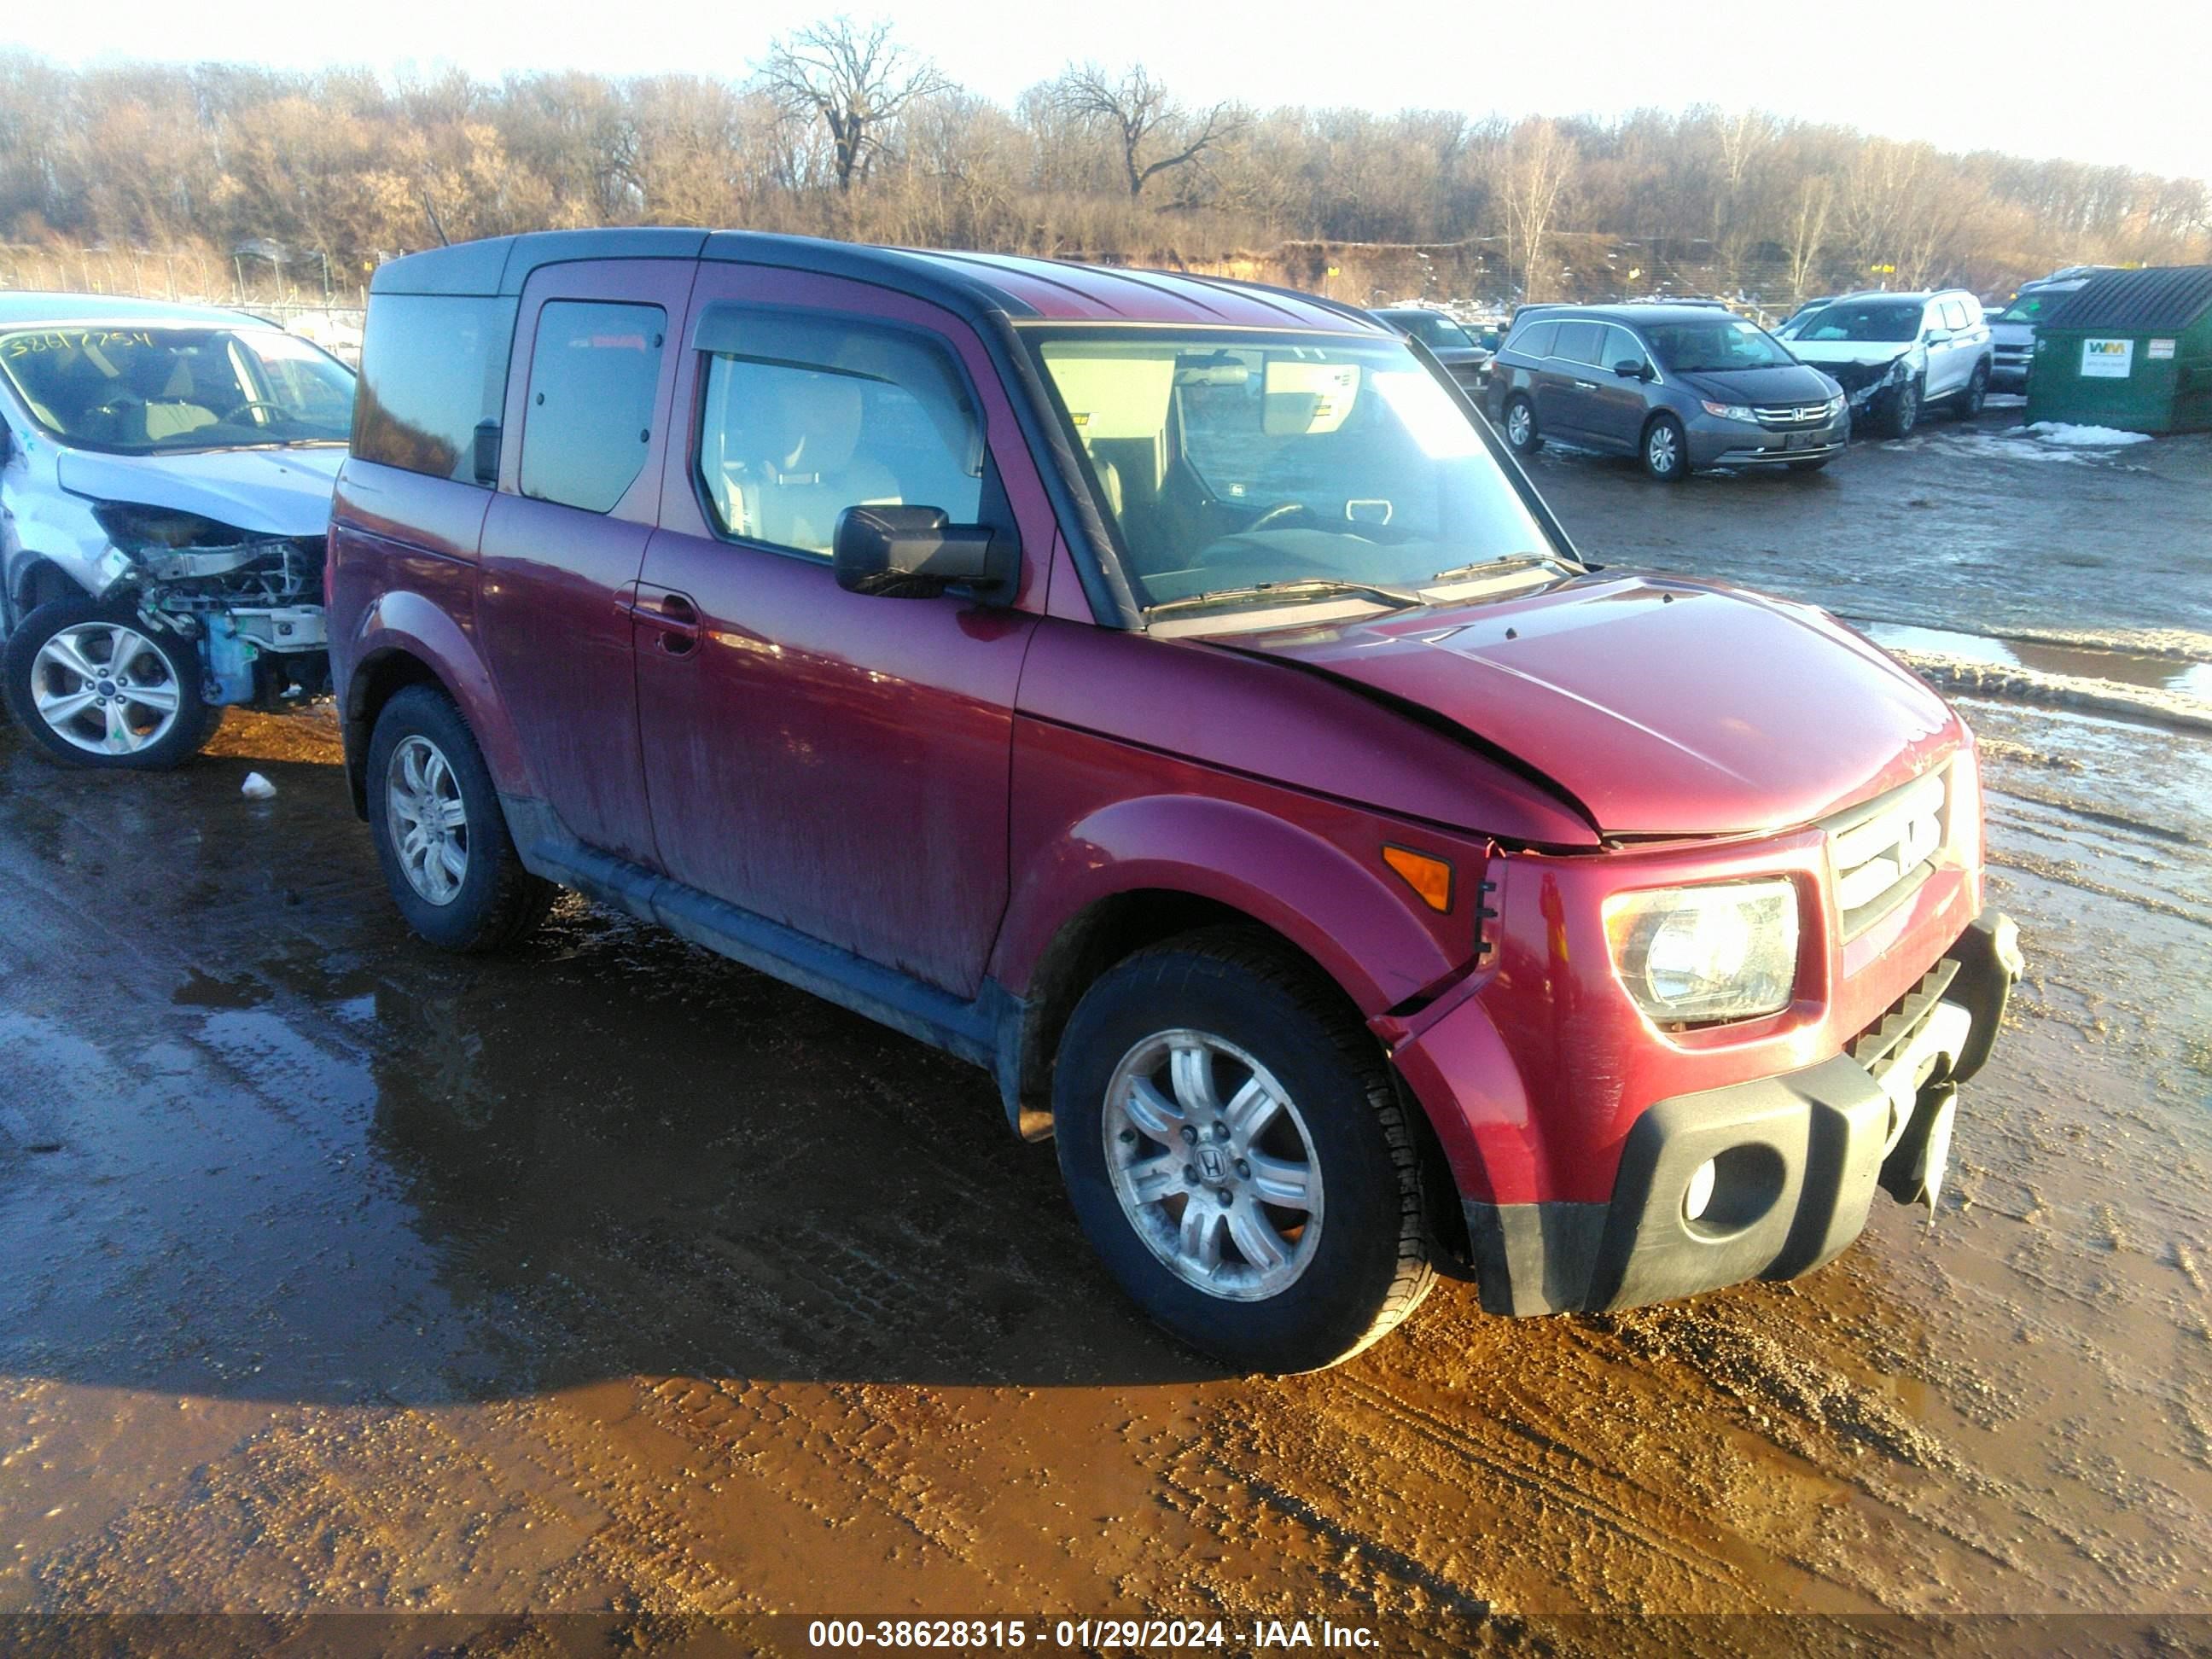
[1510,561]
[1306,588]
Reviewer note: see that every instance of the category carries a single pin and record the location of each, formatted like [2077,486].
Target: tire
[1354,1255]
[1974,394]
[1901,413]
[431,807]
[1521,418]
[1665,450]
[94,686]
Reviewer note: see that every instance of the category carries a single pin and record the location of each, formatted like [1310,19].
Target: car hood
[1662,707]
[1782,383]
[1848,351]
[265,492]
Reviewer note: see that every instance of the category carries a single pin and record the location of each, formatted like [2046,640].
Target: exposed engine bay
[252,604]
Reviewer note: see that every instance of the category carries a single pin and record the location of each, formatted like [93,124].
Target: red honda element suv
[1167,694]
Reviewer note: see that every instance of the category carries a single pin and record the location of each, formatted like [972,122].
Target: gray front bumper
[1799,1156]
[1732,443]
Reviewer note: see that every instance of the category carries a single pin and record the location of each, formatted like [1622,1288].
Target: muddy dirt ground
[337,1273]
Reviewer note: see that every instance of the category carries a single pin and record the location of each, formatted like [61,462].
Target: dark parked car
[1679,387]
[1448,342]
[1162,693]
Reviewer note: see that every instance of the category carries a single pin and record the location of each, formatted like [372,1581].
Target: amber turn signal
[1432,878]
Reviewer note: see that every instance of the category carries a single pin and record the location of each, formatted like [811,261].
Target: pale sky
[2120,80]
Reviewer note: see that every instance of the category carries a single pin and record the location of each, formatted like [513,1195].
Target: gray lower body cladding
[1799,1158]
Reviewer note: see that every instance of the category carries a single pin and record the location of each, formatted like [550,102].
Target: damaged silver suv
[165,485]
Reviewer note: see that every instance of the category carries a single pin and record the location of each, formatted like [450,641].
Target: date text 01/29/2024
[1085,1634]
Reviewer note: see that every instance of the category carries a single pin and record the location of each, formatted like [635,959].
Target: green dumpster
[2131,349]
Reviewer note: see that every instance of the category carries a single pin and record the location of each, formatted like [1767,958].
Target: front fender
[405,623]
[1349,918]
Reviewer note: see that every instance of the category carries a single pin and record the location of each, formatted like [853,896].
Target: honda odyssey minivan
[1167,694]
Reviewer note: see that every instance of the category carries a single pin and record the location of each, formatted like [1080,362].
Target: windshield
[1230,460]
[1430,328]
[1886,320]
[155,391]
[1714,347]
[2030,307]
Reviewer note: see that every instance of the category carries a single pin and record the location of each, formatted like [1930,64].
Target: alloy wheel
[430,822]
[105,688]
[1212,1165]
[1662,451]
[1518,424]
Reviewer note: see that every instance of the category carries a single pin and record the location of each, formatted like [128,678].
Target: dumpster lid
[2159,300]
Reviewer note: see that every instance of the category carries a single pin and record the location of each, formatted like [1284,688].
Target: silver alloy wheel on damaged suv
[1225,1189]
[429,824]
[105,688]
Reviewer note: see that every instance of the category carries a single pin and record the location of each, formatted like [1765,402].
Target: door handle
[671,615]
[1585,386]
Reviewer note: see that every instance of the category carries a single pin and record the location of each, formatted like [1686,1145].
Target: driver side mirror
[1937,336]
[916,553]
[1632,368]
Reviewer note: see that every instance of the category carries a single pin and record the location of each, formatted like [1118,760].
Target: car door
[1617,402]
[1565,395]
[586,421]
[1944,350]
[835,762]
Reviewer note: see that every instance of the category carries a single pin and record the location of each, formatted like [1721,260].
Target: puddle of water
[2072,661]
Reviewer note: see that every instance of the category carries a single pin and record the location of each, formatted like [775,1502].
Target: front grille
[1785,416]
[1881,850]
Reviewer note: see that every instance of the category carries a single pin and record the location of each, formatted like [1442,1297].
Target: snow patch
[2085,437]
[256,787]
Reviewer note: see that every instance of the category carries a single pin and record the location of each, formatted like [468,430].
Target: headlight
[1731,411]
[1836,405]
[1692,955]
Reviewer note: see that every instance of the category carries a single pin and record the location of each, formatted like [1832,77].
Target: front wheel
[1236,1153]
[1903,411]
[1976,394]
[94,685]
[1666,450]
[439,833]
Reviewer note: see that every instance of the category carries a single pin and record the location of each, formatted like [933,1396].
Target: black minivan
[1680,387]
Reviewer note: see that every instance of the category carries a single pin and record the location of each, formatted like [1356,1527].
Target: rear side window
[1535,340]
[807,414]
[593,375]
[1579,343]
[433,368]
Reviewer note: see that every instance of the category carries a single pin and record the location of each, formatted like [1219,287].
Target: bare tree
[1540,161]
[853,78]
[1808,227]
[1154,133]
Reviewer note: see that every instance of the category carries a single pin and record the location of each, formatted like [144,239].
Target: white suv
[1895,353]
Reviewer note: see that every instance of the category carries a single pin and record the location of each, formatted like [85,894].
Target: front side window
[1227,460]
[1622,346]
[807,414]
[1876,321]
[1955,315]
[594,377]
[161,390]
[1715,347]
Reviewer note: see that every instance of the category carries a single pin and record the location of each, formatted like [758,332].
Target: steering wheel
[1277,514]
[247,408]
[119,402]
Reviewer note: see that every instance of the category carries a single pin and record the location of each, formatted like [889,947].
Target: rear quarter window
[433,366]
[594,371]
[1535,341]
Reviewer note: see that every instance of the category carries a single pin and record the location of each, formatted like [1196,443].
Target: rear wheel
[1235,1153]
[1666,450]
[96,686]
[439,833]
[1521,434]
